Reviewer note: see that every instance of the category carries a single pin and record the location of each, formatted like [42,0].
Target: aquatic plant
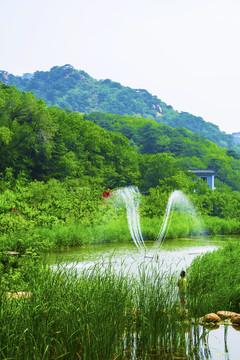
[95,314]
[214,280]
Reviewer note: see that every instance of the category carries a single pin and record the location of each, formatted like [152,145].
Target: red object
[14,209]
[107,194]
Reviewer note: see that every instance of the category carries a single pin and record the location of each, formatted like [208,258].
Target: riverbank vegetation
[100,314]
[217,279]
[56,214]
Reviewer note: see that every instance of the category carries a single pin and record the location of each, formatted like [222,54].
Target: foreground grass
[65,317]
[104,314]
[96,314]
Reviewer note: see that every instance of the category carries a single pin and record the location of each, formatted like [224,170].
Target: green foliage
[220,204]
[180,226]
[156,168]
[26,130]
[75,90]
[46,204]
[45,143]
[189,150]
[100,314]
[216,277]
[219,226]
[198,126]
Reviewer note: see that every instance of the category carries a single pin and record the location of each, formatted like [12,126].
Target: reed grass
[93,314]
[216,277]
[68,316]
[101,313]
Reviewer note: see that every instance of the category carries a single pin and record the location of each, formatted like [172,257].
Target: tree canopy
[75,90]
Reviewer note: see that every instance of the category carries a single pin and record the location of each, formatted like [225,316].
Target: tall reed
[94,314]
[67,316]
[214,280]
[102,313]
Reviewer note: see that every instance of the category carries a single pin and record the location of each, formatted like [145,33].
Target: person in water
[182,287]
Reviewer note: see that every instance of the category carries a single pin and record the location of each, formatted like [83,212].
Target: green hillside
[111,150]
[188,149]
[56,165]
[75,90]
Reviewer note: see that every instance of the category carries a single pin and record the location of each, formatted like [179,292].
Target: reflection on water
[219,343]
[174,255]
[223,343]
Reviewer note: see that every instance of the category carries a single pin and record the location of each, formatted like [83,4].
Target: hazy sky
[184,51]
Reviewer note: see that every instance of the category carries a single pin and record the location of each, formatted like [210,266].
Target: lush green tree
[155,168]
[49,142]
[26,131]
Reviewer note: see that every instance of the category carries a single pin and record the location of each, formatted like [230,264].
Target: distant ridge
[236,138]
[75,90]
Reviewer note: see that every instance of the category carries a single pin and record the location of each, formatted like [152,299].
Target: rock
[235,318]
[209,318]
[224,314]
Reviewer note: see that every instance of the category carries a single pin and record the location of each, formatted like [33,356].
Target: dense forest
[111,150]
[75,90]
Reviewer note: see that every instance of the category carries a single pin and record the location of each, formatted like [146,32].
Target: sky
[186,52]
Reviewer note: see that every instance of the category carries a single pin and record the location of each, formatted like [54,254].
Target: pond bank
[111,229]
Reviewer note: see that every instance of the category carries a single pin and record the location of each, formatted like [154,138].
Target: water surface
[174,254]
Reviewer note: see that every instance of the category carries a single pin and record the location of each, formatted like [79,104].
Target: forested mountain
[75,90]
[236,138]
[188,149]
[41,142]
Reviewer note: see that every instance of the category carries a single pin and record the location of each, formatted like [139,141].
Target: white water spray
[132,198]
[178,201]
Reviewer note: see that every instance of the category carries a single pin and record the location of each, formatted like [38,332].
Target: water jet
[178,202]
